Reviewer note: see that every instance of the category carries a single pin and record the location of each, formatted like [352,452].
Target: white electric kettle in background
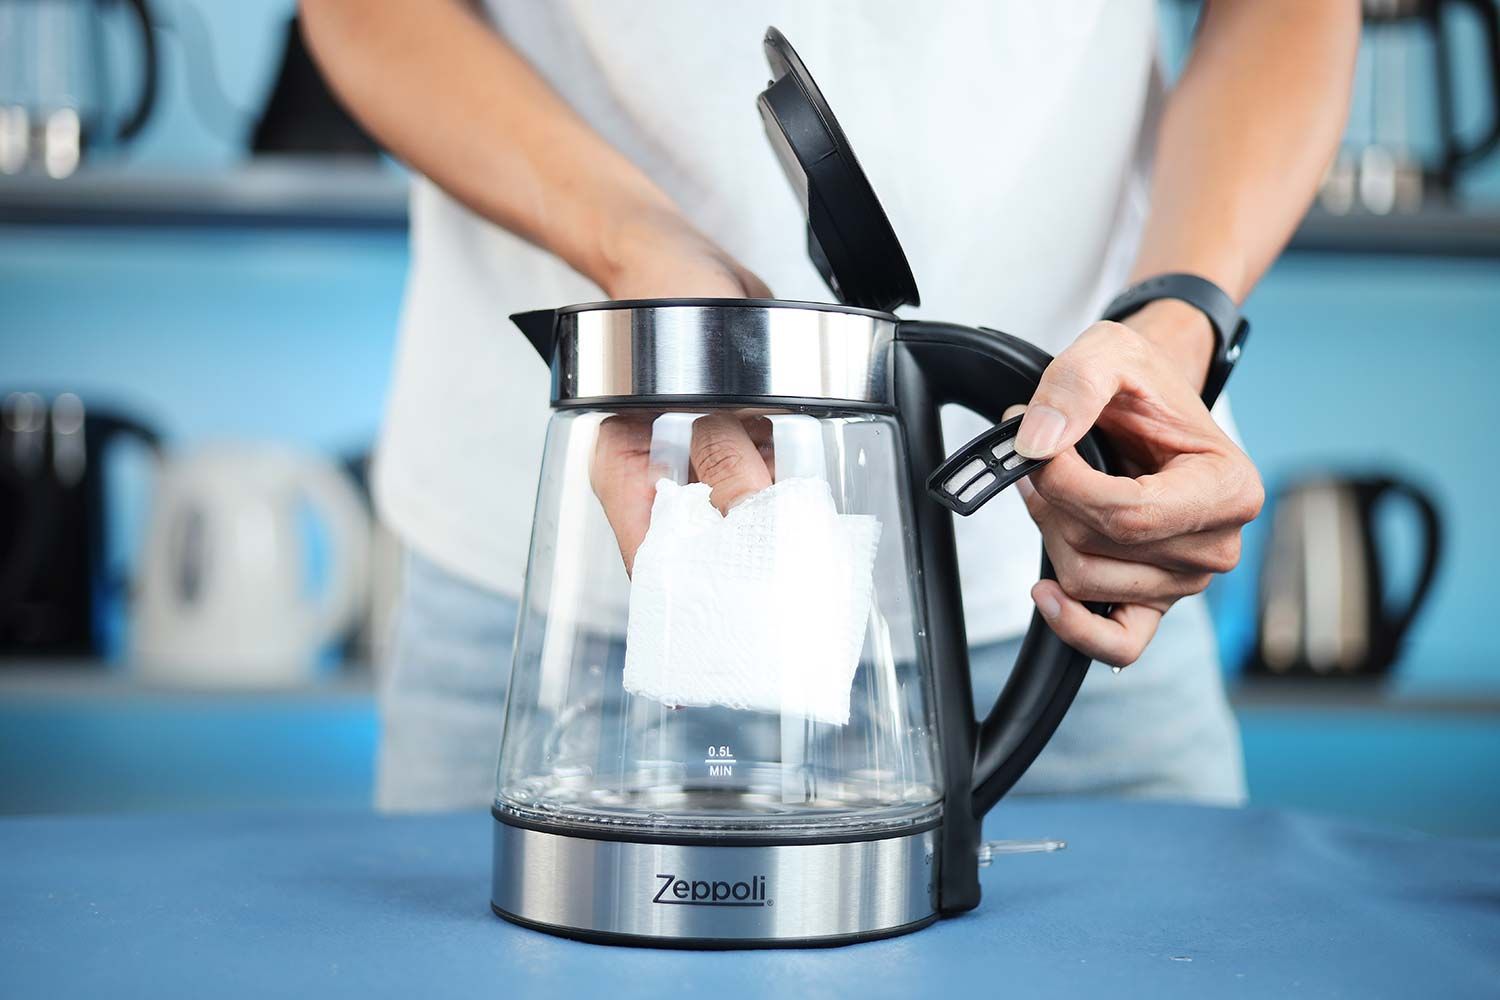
[226,593]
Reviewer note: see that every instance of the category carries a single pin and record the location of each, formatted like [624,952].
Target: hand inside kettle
[730,453]
[660,254]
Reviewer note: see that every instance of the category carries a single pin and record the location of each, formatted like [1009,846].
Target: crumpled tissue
[763,608]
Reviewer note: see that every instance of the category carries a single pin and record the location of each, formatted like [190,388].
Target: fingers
[1112,581]
[1088,576]
[1190,493]
[1076,386]
[1117,639]
[753,287]
[731,456]
[727,459]
[623,480]
[763,433]
[1214,551]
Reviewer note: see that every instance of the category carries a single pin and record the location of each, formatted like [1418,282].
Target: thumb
[1076,386]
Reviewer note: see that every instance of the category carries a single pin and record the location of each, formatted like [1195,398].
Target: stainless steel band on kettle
[673,351]
[719,894]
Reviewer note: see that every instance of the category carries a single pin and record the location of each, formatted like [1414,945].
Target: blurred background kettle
[68,83]
[229,588]
[1411,140]
[1324,609]
[60,585]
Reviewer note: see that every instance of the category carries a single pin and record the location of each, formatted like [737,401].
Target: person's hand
[658,255]
[1146,539]
[730,452]
[662,259]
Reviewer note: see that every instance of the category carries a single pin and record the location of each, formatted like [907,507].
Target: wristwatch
[1230,328]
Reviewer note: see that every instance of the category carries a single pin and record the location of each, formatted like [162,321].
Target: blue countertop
[1148,900]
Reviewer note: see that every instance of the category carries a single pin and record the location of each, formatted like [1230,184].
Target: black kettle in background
[54,502]
[301,115]
[1324,610]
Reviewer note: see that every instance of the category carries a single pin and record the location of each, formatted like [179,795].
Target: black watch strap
[1230,328]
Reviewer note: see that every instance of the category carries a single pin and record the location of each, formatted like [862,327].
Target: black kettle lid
[849,238]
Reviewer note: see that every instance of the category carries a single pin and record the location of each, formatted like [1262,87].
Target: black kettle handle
[103,430]
[35,515]
[145,101]
[1459,154]
[986,371]
[1394,626]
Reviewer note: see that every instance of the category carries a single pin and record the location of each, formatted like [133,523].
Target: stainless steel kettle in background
[60,76]
[1412,69]
[1324,610]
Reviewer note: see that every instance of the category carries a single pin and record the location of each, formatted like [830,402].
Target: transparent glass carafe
[765,622]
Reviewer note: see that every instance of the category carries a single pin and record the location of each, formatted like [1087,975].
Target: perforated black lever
[975,473]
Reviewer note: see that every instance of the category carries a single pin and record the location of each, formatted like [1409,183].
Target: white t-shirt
[1007,141]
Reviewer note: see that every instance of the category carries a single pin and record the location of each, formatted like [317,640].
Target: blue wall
[1375,363]
[1355,363]
[208,333]
[226,54]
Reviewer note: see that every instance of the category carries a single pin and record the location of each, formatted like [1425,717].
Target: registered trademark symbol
[770,902]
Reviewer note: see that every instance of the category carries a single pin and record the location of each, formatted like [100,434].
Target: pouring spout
[539,327]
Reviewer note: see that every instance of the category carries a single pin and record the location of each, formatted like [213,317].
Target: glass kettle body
[747,719]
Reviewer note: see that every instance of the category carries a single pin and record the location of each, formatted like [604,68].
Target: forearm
[1244,140]
[446,94]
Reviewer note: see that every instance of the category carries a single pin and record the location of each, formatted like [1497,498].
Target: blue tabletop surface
[1148,900]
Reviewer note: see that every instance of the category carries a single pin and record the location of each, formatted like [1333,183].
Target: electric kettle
[59,580]
[226,594]
[1324,610]
[750,723]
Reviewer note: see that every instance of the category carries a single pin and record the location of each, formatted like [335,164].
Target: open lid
[849,238]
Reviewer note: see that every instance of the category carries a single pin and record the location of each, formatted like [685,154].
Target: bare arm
[448,95]
[1244,140]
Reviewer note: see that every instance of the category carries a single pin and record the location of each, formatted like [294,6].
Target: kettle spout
[538,326]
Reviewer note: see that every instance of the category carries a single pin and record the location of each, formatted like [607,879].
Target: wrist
[1182,331]
[635,231]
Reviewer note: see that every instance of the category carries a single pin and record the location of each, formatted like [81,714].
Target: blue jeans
[1161,729]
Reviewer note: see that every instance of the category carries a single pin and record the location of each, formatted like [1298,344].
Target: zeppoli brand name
[699,892]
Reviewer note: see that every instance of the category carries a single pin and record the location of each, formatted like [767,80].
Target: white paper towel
[763,608]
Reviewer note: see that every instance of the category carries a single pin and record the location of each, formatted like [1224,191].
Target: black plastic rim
[608,304]
[709,840]
[708,944]
[824,406]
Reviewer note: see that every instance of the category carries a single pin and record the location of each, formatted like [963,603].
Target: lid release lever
[975,473]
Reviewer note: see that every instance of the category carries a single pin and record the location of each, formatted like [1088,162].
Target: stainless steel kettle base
[689,895]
